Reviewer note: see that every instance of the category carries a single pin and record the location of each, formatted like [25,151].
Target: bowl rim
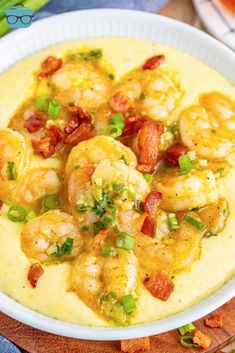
[29,317]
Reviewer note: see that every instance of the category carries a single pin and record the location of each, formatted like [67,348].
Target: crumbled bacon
[172,154]
[81,133]
[120,103]
[49,66]
[99,239]
[202,340]
[214,321]
[72,124]
[160,285]
[1,204]
[148,140]
[35,272]
[44,146]
[149,226]
[135,345]
[132,125]
[153,62]
[56,134]
[35,122]
[151,201]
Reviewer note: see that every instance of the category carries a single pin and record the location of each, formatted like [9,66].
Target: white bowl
[116,23]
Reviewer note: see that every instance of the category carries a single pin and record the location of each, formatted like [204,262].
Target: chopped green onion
[147,177]
[11,172]
[93,54]
[102,204]
[186,328]
[195,223]
[54,108]
[187,344]
[84,228]
[118,188]
[212,233]
[65,248]
[31,215]
[43,103]
[123,158]
[173,221]
[112,130]
[108,251]
[104,223]
[125,241]
[16,213]
[185,164]
[111,76]
[139,206]
[80,207]
[77,166]
[117,119]
[51,202]
[143,96]
[128,303]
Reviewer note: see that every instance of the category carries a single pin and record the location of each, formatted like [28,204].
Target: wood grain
[35,341]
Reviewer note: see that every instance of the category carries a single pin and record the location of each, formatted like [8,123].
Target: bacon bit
[35,272]
[98,240]
[56,134]
[149,226]
[215,321]
[49,66]
[135,345]
[72,124]
[148,140]
[1,204]
[153,62]
[160,285]
[120,103]
[151,201]
[83,114]
[44,146]
[132,125]
[202,340]
[172,154]
[82,133]
[35,122]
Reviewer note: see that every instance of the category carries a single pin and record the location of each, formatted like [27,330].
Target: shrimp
[172,253]
[82,84]
[43,237]
[154,93]
[102,282]
[208,128]
[184,192]
[36,184]
[14,159]
[95,150]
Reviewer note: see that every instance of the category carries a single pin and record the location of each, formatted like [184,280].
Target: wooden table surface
[184,11]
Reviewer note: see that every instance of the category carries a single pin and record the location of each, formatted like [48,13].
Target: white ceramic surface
[219,21]
[116,23]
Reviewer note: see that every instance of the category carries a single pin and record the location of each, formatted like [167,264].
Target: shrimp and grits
[117,171]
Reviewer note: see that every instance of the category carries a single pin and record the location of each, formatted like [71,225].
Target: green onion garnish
[108,251]
[184,343]
[185,164]
[102,204]
[118,188]
[124,241]
[32,214]
[16,213]
[117,119]
[80,207]
[11,172]
[104,223]
[54,108]
[65,248]
[51,202]
[147,177]
[195,223]
[112,130]
[42,103]
[172,221]
[186,328]
[84,228]
[128,303]
[123,158]
[139,206]
[212,233]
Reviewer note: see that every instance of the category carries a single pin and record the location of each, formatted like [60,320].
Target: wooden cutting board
[35,341]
